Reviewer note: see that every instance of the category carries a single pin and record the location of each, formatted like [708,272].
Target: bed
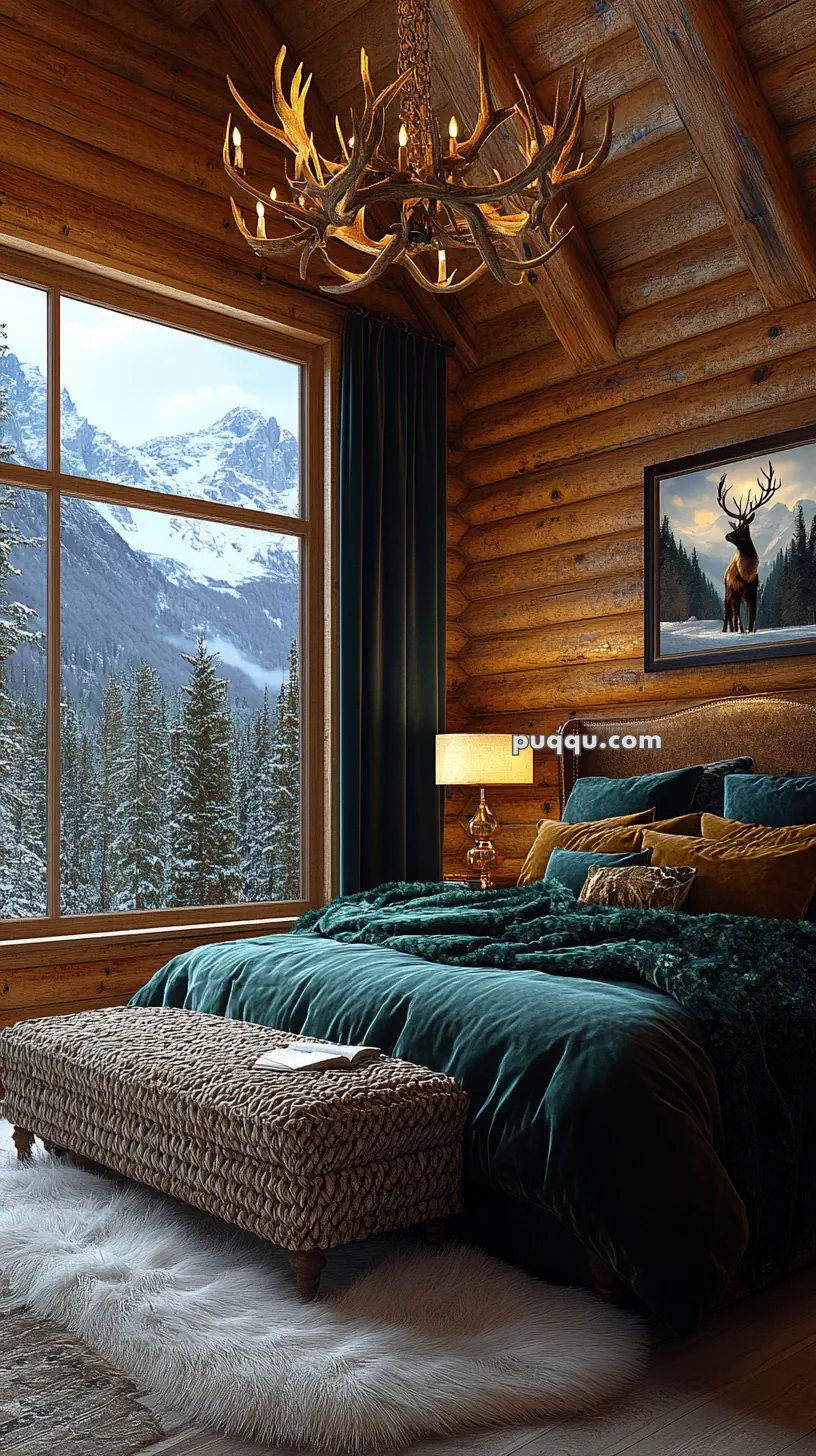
[640,1081]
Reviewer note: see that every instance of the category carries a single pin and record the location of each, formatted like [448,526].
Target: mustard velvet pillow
[618,835]
[736,878]
[683,824]
[758,835]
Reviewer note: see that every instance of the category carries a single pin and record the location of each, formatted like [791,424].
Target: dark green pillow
[570,867]
[775,800]
[669,794]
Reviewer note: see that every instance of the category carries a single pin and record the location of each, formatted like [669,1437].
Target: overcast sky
[138,379]
[690,501]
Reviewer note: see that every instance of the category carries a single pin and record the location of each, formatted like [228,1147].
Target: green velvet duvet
[647,1077]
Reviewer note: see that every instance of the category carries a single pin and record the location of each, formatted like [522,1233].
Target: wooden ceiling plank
[778,33]
[561,33]
[248,32]
[657,226]
[307,24]
[571,288]
[697,53]
[619,66]
[516,332]
[640,175]
[143,22]
[687,266]
[52,23]
[184,12]
[62,74]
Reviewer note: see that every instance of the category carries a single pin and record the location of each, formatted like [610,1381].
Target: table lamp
[481,759]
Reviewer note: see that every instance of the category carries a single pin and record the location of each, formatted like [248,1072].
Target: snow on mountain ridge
[243,459]
[142,585]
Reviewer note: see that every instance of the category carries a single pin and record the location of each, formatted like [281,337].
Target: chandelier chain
[416,114]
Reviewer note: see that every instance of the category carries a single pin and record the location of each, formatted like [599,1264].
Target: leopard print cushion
[637,887]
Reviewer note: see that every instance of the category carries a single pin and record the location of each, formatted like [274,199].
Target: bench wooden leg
[24,1143]
[308,1265]
[436,1230]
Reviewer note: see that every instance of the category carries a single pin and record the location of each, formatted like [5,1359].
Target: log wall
[545,561]
[545,603]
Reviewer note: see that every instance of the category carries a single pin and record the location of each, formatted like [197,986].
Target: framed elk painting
[730,560]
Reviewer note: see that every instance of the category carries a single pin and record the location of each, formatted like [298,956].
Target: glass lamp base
[482,858]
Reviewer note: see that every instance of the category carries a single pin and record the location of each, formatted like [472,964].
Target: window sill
[48,951]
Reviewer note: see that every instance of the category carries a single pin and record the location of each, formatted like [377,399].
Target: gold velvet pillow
[759,836]
[683,824]
[736,878]
[617,835]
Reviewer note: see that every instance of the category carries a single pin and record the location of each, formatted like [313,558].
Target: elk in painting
[742,573]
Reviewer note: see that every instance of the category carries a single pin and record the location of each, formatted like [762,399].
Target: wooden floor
[745,1386]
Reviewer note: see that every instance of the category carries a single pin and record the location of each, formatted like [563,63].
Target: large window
[157,536]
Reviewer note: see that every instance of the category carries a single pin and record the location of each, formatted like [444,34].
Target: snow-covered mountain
[141,584]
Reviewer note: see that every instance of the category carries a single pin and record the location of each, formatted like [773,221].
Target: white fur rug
[408,1342]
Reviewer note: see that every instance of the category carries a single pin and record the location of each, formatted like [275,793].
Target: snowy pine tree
[22,878]
[140,846]
[282,844]
[22,863]
[205,868]
[78,818]
[110,797]
[256,864]
[6,450]
[788,593]
[33,818]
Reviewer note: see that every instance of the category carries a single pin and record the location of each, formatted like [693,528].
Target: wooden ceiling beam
[571,288]
[697,53]
[250,34]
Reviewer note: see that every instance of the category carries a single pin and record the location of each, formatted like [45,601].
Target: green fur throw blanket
[750,983]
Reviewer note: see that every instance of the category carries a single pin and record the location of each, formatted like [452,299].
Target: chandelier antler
[427,196]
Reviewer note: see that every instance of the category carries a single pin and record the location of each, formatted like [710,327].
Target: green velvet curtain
[392,602]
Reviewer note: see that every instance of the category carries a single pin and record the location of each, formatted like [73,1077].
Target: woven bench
[307,1161]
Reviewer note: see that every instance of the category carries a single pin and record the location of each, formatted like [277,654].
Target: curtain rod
[383,318]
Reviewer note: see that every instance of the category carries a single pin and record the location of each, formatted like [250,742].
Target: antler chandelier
[423,196]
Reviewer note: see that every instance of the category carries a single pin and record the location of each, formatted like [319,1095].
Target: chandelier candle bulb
[238,162]
[453,132]
[443,266]
[402,157]
[260,209]
[273,193]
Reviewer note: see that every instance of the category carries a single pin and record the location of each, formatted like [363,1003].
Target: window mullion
[53,612]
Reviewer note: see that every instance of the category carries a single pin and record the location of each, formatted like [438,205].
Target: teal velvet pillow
[775,800]
[669,794]
[570,867]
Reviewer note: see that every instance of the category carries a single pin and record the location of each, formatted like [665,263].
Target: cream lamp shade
[481,758]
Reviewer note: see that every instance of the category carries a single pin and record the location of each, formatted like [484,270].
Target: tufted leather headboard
[779,733]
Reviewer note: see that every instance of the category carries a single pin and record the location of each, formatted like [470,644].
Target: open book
[315,1056]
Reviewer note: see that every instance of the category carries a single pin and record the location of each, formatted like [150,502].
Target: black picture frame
[653,659]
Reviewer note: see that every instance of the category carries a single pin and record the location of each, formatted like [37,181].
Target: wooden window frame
[316,353]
